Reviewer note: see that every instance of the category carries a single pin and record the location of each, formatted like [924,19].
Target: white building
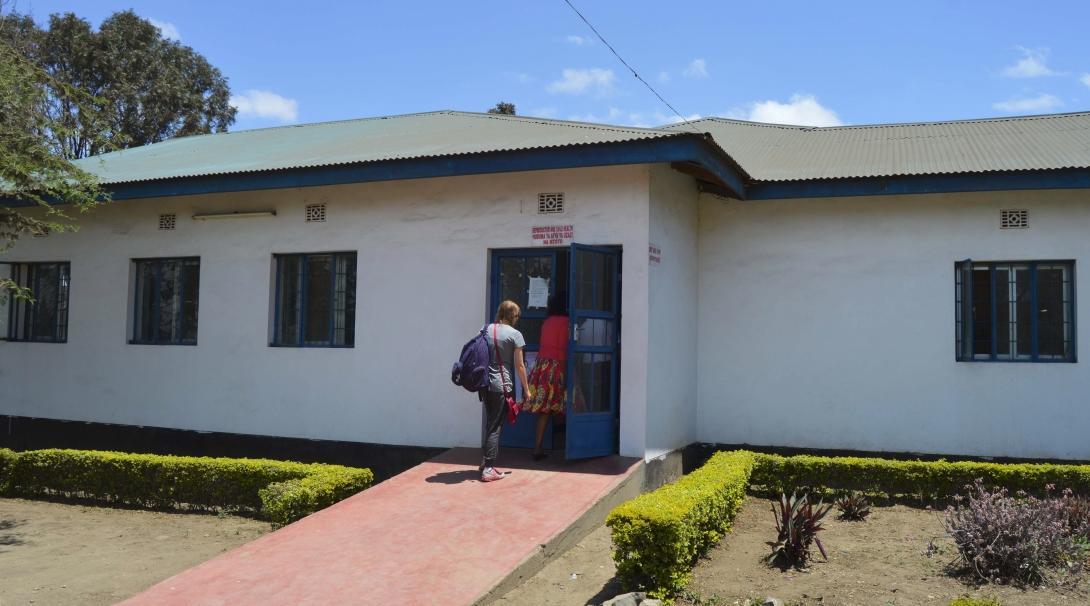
[899,288]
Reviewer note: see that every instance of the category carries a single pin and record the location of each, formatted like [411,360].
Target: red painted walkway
[431,535]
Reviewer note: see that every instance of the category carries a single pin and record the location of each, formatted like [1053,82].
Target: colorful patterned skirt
[547,381]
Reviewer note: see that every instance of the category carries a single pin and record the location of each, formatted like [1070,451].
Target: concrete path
[431,535]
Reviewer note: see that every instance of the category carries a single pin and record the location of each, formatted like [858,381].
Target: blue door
[520,275]
[593,351]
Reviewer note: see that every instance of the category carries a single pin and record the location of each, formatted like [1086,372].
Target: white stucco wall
[672,305]
[423,250]
[830,323]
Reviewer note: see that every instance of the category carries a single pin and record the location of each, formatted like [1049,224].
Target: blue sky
[818,63]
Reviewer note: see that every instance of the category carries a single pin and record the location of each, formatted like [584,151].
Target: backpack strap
[499,363]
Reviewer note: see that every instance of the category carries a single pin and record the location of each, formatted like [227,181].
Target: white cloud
[1085,79]
[1041,103]
[543,112]
[167,29]
[698,68]
[265,104]
[581,81]
[1031,65]
[664,77]
[577,40]
[801,110]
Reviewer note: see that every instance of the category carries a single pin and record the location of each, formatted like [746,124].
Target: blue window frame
[44,317]
[1015,311]
[166,295]
[315,300]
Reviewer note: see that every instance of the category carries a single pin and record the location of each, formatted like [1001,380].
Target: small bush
[161,481]
[658,536]
[925,479]
[1003,538]
[967,601]
[853,506]
[798,522]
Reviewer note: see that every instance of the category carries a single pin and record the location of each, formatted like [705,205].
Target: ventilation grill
[550,204]
[168,221]
[315,213]
[1013,219]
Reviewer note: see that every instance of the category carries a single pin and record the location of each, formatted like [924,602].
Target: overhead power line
[621,59]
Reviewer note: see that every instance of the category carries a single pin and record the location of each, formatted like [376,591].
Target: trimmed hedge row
[658,536]
[281,491]
[923,479]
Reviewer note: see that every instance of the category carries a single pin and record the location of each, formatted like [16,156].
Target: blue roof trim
[921,184]
[677,148]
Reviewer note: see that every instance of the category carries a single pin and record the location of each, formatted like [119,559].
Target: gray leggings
[493,424]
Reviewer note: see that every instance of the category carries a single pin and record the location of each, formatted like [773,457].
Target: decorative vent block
[168,221]
[1013,219]
[550,203]
[315,213]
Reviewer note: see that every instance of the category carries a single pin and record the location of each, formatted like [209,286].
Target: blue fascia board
[682,148]
[921,184]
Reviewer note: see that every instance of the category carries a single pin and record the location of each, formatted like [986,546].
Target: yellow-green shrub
[285,502]
[7,457]
[928,479]
[147,480]
[967,601]
[658,536]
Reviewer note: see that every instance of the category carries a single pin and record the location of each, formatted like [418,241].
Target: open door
[593,351]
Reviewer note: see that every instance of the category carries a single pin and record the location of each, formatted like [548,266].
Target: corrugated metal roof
[772,152]
[433,134]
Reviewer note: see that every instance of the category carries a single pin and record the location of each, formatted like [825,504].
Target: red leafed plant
[797,523]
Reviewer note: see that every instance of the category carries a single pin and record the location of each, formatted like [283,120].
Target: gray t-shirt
[510,339]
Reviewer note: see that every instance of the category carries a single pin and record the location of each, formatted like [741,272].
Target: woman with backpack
[547,378]
[506,344]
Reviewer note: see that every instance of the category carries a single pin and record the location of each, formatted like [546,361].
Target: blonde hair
[507,313]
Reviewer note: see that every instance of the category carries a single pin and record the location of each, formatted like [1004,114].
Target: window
[166,296]
[1016,311]
[45,318]
[315,300]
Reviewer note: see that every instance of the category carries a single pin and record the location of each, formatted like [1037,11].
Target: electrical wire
[621,59]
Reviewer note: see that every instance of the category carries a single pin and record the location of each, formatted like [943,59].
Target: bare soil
[883,561]
[57,553]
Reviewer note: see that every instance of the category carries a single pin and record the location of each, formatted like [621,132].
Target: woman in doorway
[547,378]
[505,344]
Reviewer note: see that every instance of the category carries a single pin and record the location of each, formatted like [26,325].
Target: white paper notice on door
[538,293]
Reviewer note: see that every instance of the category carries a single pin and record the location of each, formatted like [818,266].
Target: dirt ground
[54,553]
[880,562]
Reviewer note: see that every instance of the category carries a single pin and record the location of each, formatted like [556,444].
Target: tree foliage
[503,107]
[31,172]
[145,88]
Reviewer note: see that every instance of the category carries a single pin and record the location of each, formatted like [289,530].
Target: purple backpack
[471,369]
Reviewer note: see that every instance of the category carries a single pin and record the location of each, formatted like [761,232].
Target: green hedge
[658,536]
[182,482]
[924,479]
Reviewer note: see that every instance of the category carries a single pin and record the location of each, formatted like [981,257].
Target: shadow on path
[454,477]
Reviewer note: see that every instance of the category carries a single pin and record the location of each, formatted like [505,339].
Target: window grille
[1013,219]
[315,300]
[45,318]
[315,213]
[168,221]
[550,203]
[166,297]
[1015,311]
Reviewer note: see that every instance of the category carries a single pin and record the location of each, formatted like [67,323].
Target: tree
[146,88]
[31,172]
[503,107]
